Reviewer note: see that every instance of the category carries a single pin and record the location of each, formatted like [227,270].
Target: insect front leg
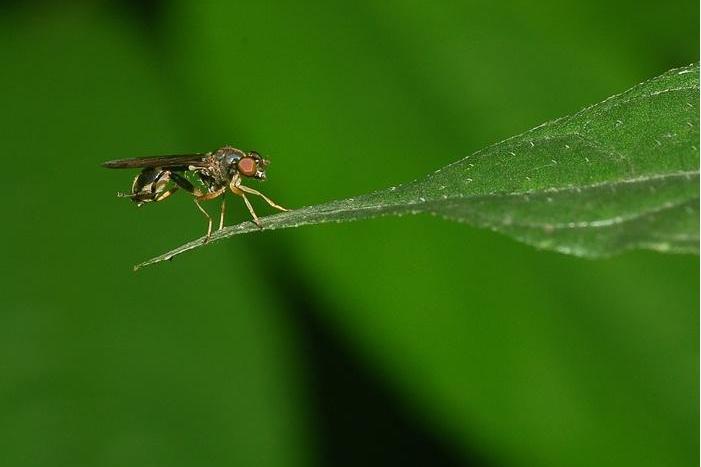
[258,193]
[234,186]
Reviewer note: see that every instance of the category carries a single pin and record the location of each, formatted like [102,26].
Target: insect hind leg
[165,194]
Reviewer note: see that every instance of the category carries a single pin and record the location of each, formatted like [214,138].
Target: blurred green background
[397,340]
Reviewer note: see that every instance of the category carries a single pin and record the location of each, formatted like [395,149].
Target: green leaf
[619,175]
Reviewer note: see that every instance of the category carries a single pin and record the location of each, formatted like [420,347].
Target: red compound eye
[247,166]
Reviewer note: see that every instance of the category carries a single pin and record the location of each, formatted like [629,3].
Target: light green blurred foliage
[101,366]
[538,358]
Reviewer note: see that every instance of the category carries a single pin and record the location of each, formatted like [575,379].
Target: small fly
[205,176]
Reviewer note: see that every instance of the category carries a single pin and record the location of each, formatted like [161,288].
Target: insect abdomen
[150,185]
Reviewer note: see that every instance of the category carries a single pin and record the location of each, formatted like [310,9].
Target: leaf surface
[619,175]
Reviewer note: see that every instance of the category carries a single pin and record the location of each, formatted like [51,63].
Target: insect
[205,176]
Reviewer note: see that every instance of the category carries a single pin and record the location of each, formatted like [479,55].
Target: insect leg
[223,209]
[209,220]
[235,190]
[267,200]
[250,209]
[185,184]
[135,184]
[211,195]
[150,185]
[158,188]
[141,187]
[206,197]
[164,194]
